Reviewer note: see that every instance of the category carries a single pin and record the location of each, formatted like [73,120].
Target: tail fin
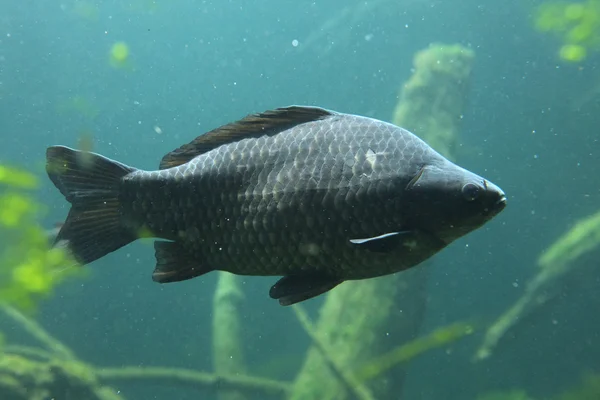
[91,183]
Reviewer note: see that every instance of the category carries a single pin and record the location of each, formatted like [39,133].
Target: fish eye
[471,191]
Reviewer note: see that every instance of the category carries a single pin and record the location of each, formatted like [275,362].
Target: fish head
[448,201]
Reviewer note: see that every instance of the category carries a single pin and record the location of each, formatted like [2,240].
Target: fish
[314,196]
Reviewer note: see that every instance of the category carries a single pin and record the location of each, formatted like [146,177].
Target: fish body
[313,195]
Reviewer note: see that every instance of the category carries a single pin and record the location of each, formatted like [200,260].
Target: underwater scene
[277,199]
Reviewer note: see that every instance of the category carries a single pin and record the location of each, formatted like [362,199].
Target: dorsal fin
[269,122]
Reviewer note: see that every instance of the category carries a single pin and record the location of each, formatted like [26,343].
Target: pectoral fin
[293,289]
[382,243]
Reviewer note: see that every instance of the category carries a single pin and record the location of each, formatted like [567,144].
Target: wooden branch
[36,331]
[559,260]
[198,380]
[363,319]
[228,353]
[60,353]
[26,351]
[359,390]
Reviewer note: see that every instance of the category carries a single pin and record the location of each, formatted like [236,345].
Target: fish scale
[314,195]
[279,255]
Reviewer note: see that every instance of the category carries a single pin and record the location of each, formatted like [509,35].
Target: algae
[432,102]
[576,25]
[30,268]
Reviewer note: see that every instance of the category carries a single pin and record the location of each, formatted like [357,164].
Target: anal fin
[173,264]
[293,289]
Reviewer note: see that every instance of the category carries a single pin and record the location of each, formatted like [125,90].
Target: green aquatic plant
[29,267]
[576,24]
[17,178]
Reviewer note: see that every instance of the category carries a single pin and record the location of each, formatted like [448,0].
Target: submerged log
[364,319]
[228,353]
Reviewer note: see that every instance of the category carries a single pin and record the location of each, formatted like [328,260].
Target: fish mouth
[501,203]
[498,206]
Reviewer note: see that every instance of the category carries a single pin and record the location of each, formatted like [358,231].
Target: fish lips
[496,207]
